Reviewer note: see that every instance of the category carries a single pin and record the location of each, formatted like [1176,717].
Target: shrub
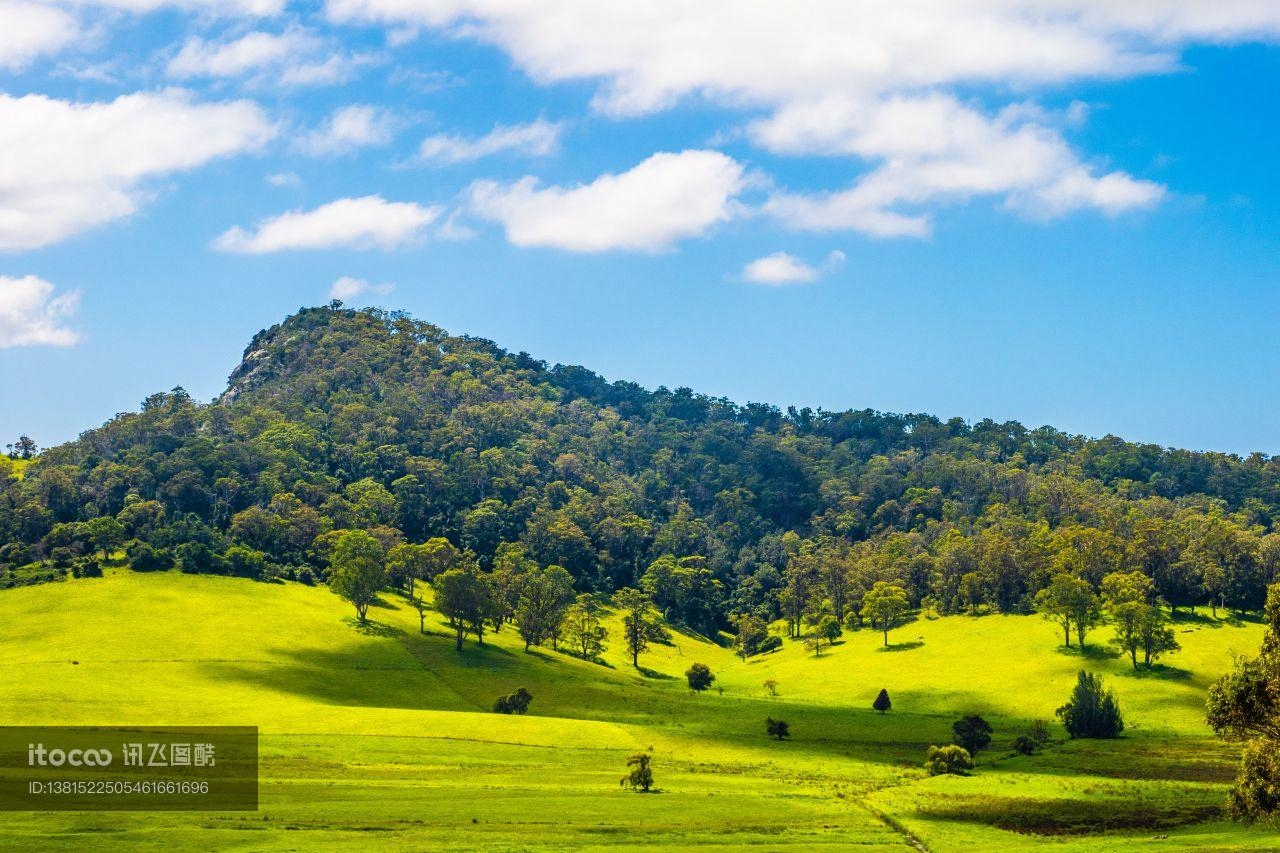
[951,759]
[777,728]
[88,568]
[699,676]
[972,732]
[306,576]
[882,702]
[513,703]
[771,684]
[769,644]
[1091,712]
[1024,744]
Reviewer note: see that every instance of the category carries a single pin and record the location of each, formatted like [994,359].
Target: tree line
[453,454]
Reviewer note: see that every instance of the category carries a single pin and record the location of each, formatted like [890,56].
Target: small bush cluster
[948,759]
[513,703]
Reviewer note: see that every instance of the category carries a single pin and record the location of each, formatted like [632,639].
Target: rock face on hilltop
[341,419]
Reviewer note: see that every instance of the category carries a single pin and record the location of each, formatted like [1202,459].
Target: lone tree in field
[972,732]
[639,623]
[752,631]
[883,605]
[640,777]
[952,759]
[827,631]
[882,702]
[542,597]
[582,629]
[1244,706]
[1140,625]
[462,597]
[699,676]
[777,728]
[1070,601]
[1091,712]
[355,571]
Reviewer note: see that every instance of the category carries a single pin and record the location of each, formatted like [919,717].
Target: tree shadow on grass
[901,647]
[1162,671]
[653,673]
[372,628]
[1090,652]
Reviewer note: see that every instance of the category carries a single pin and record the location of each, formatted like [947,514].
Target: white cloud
[349,288]
[349,128]
[537,139]
[68,167]
[31,315]
[294,57]
[222,8]
[783,268]
[348,223]
[283,179]
[874,81]
[31,30]
[663,199]
[251,52]
[933,150]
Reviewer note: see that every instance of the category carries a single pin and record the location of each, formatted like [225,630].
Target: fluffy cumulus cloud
[31,30]
[349,128]
[294,57]
[68,166]
[31,314]
[668,197]
[370,222]
[875,81]
[782,268]
[348,287]
[537,139]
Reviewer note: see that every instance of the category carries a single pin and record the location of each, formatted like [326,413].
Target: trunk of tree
[886,638]
[459,637]
[1133,655]
[1080,636]
[1066,630]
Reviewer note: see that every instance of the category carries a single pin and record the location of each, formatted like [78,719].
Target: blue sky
[1062,212]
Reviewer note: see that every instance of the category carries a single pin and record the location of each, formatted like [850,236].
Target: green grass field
[379,737]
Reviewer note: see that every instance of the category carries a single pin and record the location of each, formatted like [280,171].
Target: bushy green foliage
[1034,739]
[948,759]
[972,732]
[513,703]
[1244,705]
[777,729]
[640,776]
[1092,711]
[338,419]
[882,702]
[356,572]
[699,676]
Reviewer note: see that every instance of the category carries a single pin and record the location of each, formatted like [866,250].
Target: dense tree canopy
[340,420]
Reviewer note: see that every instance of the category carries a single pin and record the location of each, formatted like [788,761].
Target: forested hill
[340,419]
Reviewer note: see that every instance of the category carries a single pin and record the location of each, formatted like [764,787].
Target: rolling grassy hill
[381,736]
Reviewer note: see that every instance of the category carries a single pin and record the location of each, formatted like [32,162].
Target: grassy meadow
[379,736]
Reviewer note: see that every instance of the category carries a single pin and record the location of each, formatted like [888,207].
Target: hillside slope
[342,419]
[379,729]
